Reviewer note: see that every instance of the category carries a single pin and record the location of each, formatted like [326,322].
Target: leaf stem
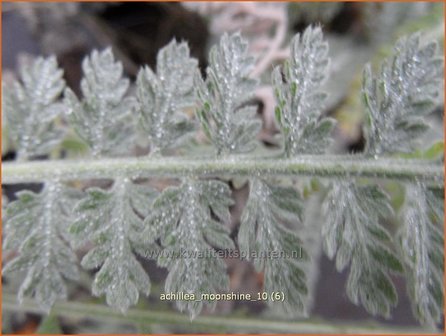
[214,323]
[305,165]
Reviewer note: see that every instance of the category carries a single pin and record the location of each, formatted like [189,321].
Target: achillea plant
[131,218]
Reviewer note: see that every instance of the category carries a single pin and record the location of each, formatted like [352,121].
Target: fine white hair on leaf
[404,92]
[352,231]
[103,118]
[421,241]
[297,86]
[112,221]
[36,226]
[263,231]
[162,97]
[32,104]
[183,219]
[223,98]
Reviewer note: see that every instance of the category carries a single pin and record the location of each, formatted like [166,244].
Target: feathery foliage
[421,242]
[397,101]
[103,117]
[112,221]
[406,90]
[162,97]
[185,223]
[31,106]
[263,234]
[35,226]
[182,218]
[300,99]
[223,99]
[352,231]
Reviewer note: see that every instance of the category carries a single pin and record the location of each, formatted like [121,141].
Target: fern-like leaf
[162,97]
[223,110]
[421,244]
[300,99]
[103,117]
[406,90]
[182,218]
[35,225]
[30,107]
[112,220]
[352,231]
[263,233]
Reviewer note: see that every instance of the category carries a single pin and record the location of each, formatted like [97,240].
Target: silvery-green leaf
[181,218]
[421,244]
[263,232]
[31,105]
[162,97]
[353,233]
[223,110]
[297,86]
[405,91]
[316,136]
[34,225]
[103,118]
[111,220]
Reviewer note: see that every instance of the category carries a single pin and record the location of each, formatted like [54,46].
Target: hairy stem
[215,323]
[305,165]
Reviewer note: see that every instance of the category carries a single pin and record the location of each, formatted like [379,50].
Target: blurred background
[357,33]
